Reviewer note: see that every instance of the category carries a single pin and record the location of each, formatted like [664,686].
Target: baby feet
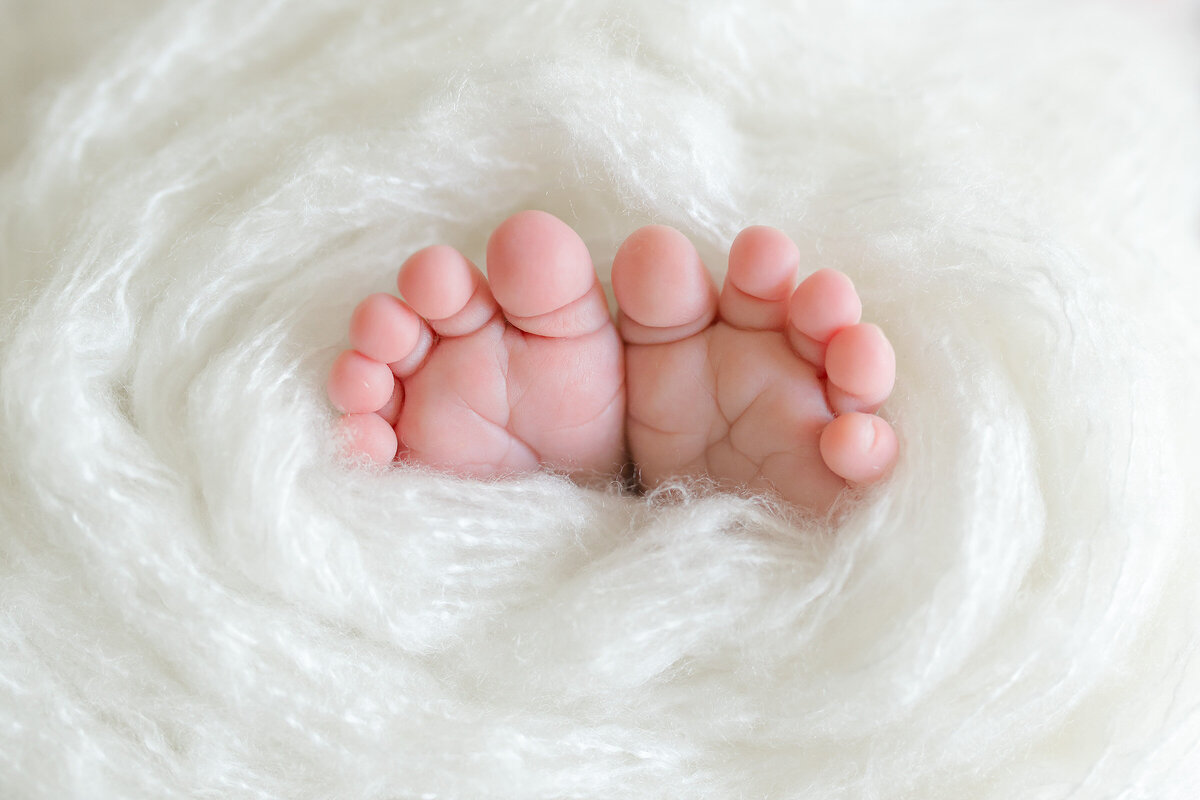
[492,376]
[765,385]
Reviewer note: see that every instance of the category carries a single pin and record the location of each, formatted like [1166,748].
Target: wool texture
[199,598]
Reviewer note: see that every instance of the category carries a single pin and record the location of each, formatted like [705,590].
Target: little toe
[446,289]
[368,435]
[383,328]
[763,263]
[542,276]
[358,384]
[823,303]
[860,448]
[861,368]
[664,292]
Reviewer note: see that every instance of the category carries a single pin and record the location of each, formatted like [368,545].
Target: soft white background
[198,600]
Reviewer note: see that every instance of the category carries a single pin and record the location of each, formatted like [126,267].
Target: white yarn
[198,600]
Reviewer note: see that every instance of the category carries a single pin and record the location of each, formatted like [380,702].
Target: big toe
[542,276]
[664,292]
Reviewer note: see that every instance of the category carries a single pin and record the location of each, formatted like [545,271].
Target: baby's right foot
[484,379]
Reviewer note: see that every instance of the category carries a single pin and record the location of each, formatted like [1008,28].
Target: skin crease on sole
[766,384]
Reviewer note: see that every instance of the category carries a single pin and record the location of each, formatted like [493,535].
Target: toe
[358,384]
[824,303]
[664,291]
[763,263]
[446,289]
[391,409]
[542,276]
[860,448]
[367,435]
[384,329]
[861,367]
[416,356]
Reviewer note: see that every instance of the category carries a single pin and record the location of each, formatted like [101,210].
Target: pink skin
[765,385]
[487,377]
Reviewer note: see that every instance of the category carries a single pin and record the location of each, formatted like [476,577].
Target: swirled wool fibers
[198,598]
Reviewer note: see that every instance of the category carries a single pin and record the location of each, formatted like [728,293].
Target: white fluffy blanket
[198,600]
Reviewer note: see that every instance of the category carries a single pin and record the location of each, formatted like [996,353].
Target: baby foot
[484,377]
[765,386]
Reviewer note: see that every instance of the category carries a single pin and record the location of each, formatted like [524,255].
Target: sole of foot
[764,385]
[492,376]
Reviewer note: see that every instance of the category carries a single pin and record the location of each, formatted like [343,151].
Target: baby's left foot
[766,386]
